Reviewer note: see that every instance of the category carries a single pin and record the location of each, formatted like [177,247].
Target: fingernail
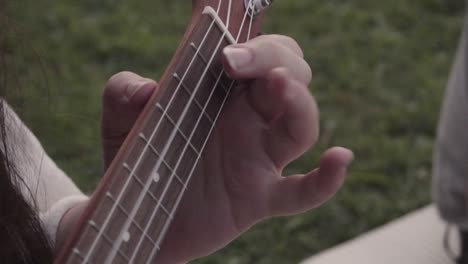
[238,57]
[350,157]
[145,86]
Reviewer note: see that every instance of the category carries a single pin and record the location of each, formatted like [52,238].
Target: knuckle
[291,41]
[292,44]
[267,43]
[280,74]
[272,51]
[315,124]
[281,41]
[308,74]
[297,49]
[273,45]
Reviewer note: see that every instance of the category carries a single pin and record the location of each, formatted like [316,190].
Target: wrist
[67,223]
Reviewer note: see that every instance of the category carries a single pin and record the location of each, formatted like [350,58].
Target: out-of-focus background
[380,68]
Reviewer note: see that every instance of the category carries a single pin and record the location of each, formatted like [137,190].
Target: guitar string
[114,207]
[251,7]
[167,223]
[176,129]
[116,246]
[198,122]
[179,198]
[147,186]
[172,176]
[153,214]
[196,162]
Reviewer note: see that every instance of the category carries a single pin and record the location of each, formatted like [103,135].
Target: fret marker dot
[126,236]
[156,177]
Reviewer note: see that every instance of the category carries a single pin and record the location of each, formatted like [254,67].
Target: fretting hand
[268,122]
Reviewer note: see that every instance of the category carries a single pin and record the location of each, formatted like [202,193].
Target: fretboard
[130,220]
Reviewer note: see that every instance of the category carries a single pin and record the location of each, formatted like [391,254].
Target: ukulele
[133,206]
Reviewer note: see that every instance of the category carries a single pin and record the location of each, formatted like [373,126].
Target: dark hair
[22,238]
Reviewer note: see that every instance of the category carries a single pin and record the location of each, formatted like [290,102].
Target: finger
[290,113]
[255,59]
[127,88]
[124,97]
[297,194]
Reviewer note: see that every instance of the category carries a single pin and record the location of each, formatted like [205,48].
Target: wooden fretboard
[140,201]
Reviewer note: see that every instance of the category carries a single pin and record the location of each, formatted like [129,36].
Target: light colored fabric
[45,183]
[51,218]
[416,238]
[450,173]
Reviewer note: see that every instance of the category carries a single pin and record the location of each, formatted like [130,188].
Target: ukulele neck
[140,202]
[129,214]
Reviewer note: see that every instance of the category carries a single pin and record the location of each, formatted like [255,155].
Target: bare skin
[271,120]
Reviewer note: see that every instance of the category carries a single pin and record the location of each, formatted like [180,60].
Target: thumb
[124,97]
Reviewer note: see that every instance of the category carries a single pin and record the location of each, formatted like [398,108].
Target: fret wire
[106,238]
[109,240]
[151,195]
[77,252]
[152,254]
[159,107]
[213,74]
[159,205]
[106,221]
[193,132]
[177,77]
[198,157]
[179,198]
[153,149]
[136,224]
[128,222]
[197,160]
[122,209]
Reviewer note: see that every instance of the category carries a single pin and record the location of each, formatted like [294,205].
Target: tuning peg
[256,6]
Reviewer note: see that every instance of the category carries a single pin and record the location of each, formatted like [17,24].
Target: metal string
[114,207]
[115,248]
[179,198]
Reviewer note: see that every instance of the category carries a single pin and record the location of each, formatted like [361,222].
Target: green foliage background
[379,72]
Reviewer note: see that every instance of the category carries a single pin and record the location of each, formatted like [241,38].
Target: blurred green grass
[379,72]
